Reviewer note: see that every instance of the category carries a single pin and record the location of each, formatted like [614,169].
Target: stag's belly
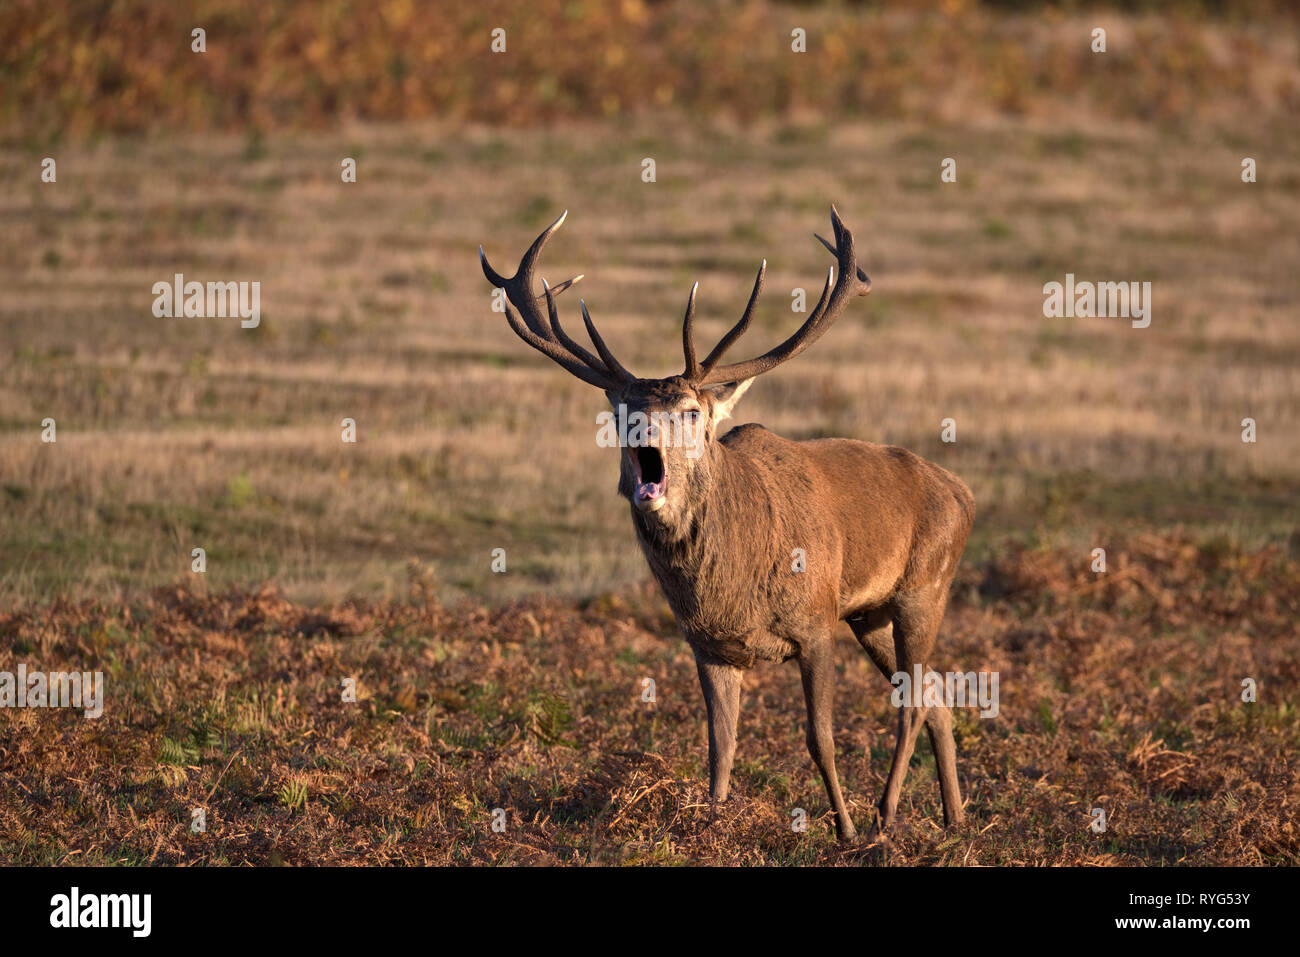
[857,596]
[755,624]
[746,651]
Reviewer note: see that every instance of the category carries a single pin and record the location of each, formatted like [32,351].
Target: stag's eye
[691,416]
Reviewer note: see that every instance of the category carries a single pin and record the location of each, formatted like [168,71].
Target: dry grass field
[521,690]
[176,433]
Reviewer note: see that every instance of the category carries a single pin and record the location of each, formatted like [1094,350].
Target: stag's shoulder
[755,443]
[757,455]
[749,436]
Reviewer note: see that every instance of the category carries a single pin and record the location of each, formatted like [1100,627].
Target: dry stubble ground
[183,433]
[1120,692]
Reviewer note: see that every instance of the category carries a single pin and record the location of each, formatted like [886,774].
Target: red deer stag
[721,522]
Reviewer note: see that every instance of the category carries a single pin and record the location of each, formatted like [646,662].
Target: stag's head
[667,428]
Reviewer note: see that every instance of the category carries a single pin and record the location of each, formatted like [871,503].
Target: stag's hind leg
[938,723]
[876,633]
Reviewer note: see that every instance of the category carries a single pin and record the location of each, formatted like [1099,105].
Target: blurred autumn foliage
[92,66]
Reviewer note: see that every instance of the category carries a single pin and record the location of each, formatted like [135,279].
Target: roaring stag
[762,544]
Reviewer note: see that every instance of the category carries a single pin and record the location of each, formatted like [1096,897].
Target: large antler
[852,282]
[544,333]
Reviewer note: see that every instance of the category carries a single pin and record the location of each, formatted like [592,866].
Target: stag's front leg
[817,668]
[721,685]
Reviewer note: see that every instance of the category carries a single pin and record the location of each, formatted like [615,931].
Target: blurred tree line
[110,66]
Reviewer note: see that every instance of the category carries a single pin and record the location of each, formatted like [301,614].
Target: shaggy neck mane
[719,526]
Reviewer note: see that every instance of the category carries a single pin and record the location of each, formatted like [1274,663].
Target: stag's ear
[725,398]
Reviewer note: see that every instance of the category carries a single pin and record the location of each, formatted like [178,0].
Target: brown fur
[882,531]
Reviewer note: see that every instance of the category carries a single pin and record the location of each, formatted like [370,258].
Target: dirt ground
[1120,691]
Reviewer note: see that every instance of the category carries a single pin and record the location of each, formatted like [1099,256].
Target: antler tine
[739,328]
[556,352]
[615,367]
[862,276]
[523,278]
[693,370]
[574,347]
[548,337]
[559,287]
[843,236]
[519,287]
[851,282]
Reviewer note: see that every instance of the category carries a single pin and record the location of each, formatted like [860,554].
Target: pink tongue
[649,490]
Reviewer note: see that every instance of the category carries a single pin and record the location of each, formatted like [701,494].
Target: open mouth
[648,466]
